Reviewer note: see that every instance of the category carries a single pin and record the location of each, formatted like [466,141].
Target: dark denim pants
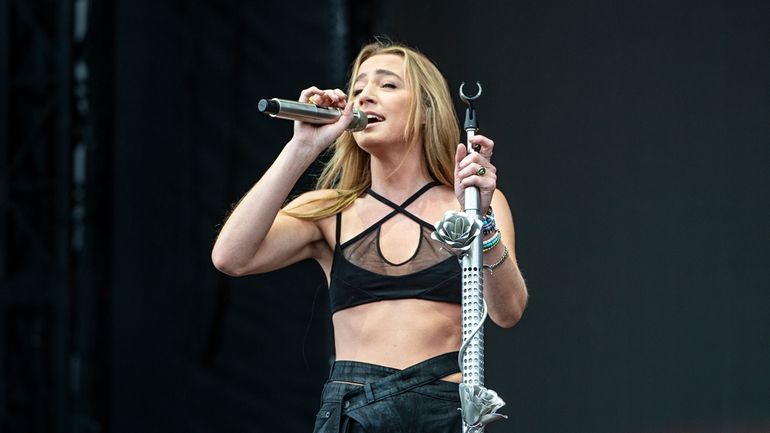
[379,399]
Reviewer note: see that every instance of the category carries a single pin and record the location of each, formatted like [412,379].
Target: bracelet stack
[488,227]
[488,222]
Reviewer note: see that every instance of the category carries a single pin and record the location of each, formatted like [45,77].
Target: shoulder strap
[409,200]
[420,192]
[339,227]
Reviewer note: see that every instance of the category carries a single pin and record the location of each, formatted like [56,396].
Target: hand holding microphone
[311,113]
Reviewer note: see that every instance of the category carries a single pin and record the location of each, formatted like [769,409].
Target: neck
[398,175]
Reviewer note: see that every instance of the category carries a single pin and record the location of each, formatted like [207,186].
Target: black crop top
[361,274]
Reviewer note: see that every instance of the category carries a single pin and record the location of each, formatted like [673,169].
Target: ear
[426,115]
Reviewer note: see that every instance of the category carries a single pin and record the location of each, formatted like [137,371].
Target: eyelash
[388,85]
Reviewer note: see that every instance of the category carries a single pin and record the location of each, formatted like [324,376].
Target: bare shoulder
[501,207]
[499,200]
[439,200]
[445,194]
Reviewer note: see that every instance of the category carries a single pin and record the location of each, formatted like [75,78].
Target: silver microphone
[310,113]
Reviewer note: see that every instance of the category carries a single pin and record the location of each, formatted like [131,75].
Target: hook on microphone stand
[469,99]
[471,122]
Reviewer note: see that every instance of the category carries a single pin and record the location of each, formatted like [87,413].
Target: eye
[389,86]
[356,92]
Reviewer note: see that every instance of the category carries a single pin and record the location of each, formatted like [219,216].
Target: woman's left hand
[475,169]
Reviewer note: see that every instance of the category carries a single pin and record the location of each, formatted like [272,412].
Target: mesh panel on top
[365,253]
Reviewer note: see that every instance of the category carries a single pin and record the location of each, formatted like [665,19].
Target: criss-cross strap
[396,210]
[339,227]
[402,207]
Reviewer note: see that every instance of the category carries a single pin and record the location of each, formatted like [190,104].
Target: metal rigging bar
[35,184]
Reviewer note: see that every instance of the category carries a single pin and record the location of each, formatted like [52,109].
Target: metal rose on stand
[479,406]
[456,230]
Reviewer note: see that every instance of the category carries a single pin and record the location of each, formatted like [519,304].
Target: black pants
[379,399]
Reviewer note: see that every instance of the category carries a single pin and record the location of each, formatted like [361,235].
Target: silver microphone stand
[472,358]
[462,232]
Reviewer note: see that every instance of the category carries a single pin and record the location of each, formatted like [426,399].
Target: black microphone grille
[268,106]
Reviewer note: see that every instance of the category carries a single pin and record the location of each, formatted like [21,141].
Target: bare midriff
[398,333]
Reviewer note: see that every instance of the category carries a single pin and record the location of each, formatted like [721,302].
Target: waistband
[363,373]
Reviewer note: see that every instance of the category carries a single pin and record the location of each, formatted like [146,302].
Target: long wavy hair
[432,118]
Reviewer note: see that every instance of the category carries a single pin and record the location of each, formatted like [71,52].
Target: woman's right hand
[319,137]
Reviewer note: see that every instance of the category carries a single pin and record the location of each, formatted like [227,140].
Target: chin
[367,145]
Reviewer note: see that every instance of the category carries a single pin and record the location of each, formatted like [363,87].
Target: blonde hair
[432,118]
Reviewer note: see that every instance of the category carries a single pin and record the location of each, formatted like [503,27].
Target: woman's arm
[256,238]
[504,289]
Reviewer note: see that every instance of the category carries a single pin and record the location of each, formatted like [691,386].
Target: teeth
[374,117]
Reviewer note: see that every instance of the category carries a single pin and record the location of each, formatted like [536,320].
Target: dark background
[632,142]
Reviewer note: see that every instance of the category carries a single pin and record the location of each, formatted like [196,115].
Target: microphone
[304,112]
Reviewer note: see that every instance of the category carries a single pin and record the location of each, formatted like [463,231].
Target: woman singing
[395,292]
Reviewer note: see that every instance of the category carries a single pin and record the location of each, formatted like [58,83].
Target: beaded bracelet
[488,222]
[491,242]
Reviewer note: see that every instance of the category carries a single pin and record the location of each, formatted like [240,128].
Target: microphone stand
[462,232]
[472,269]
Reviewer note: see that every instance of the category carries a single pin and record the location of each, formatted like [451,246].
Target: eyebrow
[378,72]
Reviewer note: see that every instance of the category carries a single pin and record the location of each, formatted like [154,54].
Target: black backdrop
[195,351]
[632,141]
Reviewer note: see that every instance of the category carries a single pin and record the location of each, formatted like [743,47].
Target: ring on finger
[481,171]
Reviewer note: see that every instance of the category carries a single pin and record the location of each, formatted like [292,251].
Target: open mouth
[373,118]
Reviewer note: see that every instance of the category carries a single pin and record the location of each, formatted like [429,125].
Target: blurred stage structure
[48,294]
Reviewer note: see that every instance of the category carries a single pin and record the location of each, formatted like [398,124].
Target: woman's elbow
[226,264]
[510,318]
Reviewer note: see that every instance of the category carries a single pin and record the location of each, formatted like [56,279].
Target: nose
[366,96]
